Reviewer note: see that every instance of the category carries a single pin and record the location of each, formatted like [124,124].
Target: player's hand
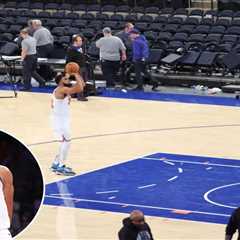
[67,75]
[124,57]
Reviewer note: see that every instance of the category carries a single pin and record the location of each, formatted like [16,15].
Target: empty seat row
[117,17]
[111,8]
[84,7]
[183,37]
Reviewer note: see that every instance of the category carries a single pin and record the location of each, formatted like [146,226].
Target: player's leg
[57,129]
[64,148]
[26,72]
[62,169]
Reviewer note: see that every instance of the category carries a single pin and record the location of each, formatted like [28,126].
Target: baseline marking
[134,205]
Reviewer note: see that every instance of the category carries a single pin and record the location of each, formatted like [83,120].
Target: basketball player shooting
[61,115]
[6,202]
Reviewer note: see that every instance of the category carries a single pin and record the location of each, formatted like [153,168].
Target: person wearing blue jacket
[140,54]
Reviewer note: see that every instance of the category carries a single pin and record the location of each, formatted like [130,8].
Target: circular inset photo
[21,187]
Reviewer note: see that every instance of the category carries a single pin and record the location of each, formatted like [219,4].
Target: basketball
[72,67]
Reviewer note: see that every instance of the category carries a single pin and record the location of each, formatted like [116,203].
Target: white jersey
[61,117]
[61,107]
[4,218]
[5,235]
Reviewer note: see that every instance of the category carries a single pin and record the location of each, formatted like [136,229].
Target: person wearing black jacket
[135,228]
[233,225]
[125,37]
[76,54]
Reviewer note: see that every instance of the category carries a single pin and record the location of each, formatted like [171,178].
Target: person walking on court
[112,51]
[75,54]
[140,54]
[29,60]
[233,225]
[61,118]
[6,202]
[135,228]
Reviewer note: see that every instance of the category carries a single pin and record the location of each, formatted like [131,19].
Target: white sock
[63,152]
[56,160]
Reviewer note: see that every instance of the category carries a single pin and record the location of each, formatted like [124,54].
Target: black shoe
[82,98]
[25,89]
[155,86]
[42,84]
[125,84]
[138,88]
[110,86]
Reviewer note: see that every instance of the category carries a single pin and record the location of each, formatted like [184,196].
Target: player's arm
[76,88]
[8,189]
[123,50]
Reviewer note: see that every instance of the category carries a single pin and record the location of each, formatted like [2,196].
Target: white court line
[61,194]
[136,205]
[147,186]
[180,170]
[113,197]
[209,168]
[113,191]
[198,163]
[170,163]
[206,195]
[173,178]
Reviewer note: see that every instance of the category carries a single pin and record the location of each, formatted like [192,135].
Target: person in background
[140,55]
[135,228]
[75,54]
[112,51]
[125,37]
[43,38]
[29,60]
[233,225]
[45,47]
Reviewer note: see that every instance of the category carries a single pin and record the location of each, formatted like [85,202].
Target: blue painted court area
[153,96]
[165,185]
[173,97]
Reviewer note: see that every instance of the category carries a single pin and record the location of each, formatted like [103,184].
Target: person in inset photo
[6,202]
[21,187]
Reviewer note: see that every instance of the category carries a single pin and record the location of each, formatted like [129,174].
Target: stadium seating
[165,28]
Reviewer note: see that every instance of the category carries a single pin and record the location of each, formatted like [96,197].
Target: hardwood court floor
[27,118]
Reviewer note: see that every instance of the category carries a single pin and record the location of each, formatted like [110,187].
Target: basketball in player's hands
[72,67]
